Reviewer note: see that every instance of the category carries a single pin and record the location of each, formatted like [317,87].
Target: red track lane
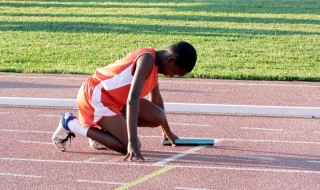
[251,153]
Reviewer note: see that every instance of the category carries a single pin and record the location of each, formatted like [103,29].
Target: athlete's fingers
[126,157]
[131,156]
[173,143]
[172,139]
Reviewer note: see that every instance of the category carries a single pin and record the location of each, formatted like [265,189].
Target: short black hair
[186,55]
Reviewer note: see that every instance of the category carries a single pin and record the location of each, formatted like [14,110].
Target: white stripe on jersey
[122,79]
[99,109]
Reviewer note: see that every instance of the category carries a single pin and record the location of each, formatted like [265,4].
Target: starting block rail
[308,112]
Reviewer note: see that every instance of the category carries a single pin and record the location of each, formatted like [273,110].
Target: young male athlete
[111,102]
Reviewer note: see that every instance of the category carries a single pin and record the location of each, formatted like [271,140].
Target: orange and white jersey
[106,92]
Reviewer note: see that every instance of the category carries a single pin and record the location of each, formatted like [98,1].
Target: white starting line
[177,156]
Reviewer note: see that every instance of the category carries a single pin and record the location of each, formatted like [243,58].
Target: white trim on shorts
[99,109]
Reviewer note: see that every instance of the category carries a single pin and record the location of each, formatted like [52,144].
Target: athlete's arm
[156,98]
[143,69]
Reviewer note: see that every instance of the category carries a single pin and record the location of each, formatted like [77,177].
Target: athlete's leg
[150,115]
[113,133]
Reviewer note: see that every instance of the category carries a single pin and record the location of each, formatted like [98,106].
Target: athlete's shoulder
[139,52]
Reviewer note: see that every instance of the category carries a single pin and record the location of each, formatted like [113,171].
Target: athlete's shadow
[243,158]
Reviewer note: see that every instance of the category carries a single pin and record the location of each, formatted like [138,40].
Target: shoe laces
[70,135]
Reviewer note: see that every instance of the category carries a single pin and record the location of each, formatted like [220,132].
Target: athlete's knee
[159,118]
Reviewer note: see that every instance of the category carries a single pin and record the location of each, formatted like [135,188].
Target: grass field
[235,39]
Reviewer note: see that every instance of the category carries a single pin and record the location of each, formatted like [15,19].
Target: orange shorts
[94,103]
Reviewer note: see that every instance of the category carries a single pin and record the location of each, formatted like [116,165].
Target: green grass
[235,39]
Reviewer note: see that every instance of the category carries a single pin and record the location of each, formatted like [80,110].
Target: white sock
[75,126]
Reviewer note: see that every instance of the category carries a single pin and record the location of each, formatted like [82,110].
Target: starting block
[189,142]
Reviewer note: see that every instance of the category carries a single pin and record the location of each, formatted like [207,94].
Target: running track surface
[252,152]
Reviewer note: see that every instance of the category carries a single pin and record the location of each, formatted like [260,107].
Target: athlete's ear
[171,59]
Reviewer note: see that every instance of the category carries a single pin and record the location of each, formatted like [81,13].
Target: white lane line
[25,131]
[113,161]
[314,161]
[254,157]
[166,151]
[188,124]
[50,115]
[90,159]
[216,139]
[150,136]
[56,161]
[262,129]
[177,156]
[100,182]
[93,159]
[249,169]
[268,141]
[35,142]
[189,188]
[152,165]
[20,175]
[51,132]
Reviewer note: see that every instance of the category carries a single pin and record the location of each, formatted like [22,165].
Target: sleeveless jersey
[106,92]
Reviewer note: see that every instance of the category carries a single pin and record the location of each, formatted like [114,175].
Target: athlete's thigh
[151,114]
[116,126]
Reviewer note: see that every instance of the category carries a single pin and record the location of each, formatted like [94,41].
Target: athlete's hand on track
[170,136]
[134,151]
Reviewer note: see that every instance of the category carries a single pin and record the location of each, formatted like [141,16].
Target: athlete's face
[170,69]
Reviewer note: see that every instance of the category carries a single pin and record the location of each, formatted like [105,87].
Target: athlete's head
[185,54]
[177,59]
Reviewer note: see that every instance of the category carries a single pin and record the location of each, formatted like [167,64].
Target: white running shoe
[96,145]
[63,134]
